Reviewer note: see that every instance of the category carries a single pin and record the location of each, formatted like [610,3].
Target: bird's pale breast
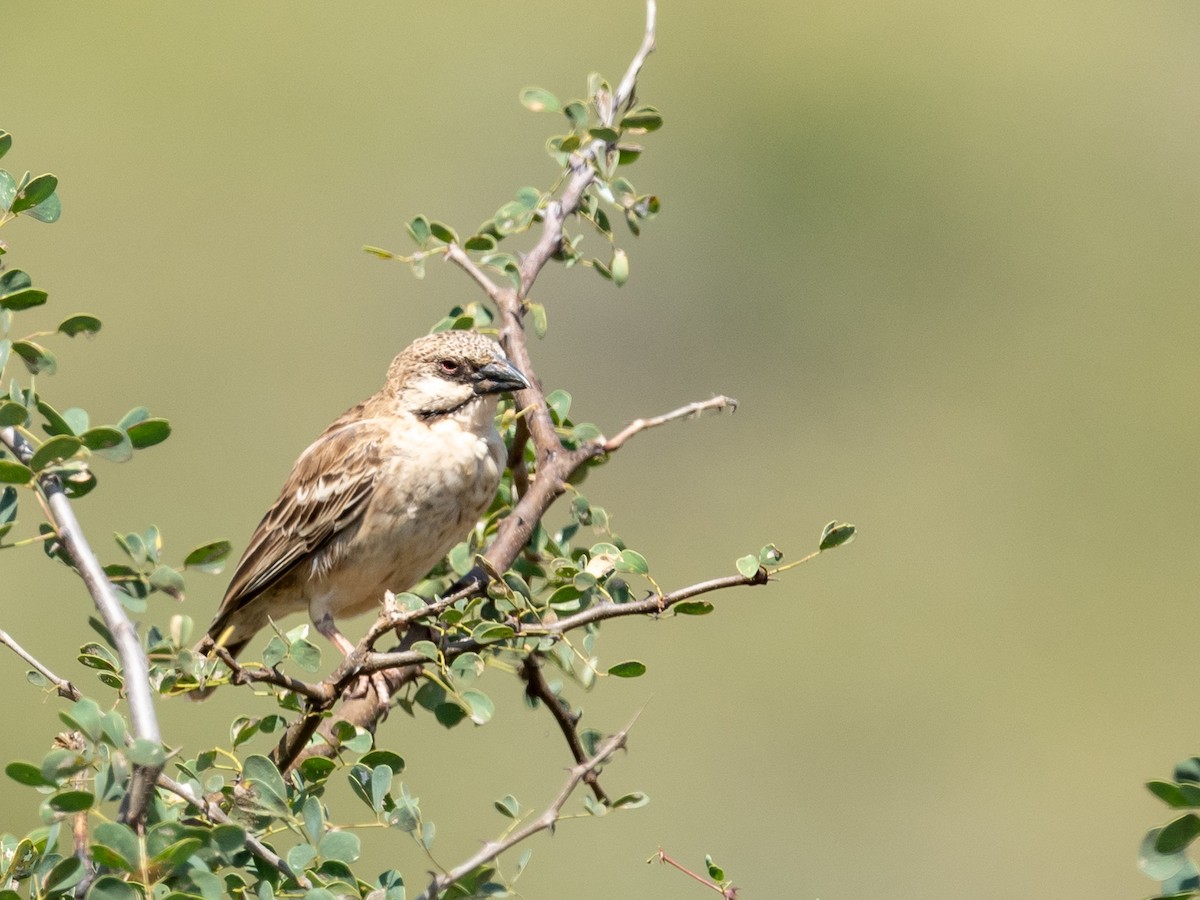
[437,480]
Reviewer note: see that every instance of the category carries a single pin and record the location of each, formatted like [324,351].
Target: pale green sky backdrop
[946,255]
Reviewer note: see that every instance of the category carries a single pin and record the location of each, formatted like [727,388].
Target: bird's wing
[328,490]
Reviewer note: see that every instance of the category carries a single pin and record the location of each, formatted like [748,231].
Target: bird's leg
[325,625]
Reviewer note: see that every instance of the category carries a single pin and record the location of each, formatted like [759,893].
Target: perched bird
[380,496]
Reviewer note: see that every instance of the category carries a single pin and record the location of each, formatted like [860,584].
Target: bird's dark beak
[498,377]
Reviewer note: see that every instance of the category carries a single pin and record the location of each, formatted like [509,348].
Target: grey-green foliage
[607,149]
[565,571]
[1163,854]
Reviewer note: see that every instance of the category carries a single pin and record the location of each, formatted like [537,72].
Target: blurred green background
[946,256]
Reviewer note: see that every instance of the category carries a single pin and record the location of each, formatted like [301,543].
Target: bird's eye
[448,366]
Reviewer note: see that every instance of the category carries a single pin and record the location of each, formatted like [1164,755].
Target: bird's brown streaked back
[380,496]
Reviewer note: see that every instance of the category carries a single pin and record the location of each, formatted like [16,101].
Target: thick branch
[129,648]
[544,822]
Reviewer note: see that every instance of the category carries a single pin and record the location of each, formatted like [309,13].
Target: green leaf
[481,707]
[631,561]
[72,801]
[630,669]
[480,243]
[508,806]
[692,608]
[538,313]
[12,413]
[110,887]
[393,761]
[175,855]
[301,856]
[120,840]
[167,580]
[306,655]
[644,118]
[28,774]
[67,873]
[770,555]
[539,100]
[8,509]
[835,534]
[1178,834]
[102,437]
[79,324]
[48,210]
[5,142]
[37,358]
[715,872]
[261,774]
[428,649]
[747,566]
[443,232]
[61,423]
[620,267]
[1156,864]
[1168,792]
[56,449]
[418,227]
[8,189]
[275,652]
[34,193]
[209,558]
[145,752]
[602,133]
[344,846]
[24,299]
[467,666]
[133,417]
[490,632]
[634,800]
[381,783]
[148,432]
[119,453]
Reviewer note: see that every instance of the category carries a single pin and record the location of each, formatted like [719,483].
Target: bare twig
[729,893]
[690,411]
[547,820]
[536,686]
[129,648]
[65,688]
[213,813]
[627,89]
[651,605]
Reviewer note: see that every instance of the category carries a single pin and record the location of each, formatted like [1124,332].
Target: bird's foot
[365,685]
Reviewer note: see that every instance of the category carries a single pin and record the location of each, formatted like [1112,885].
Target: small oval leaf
[629,669]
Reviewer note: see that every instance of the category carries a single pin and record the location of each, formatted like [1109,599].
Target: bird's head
[445,372]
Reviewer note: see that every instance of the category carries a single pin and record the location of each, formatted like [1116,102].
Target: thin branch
[459,257]
[651,605]
[729,893]
[214,814]
[65,688]
[626,90]
[129,648]
[240,674]
[536,686]
[544,822]
[690,411]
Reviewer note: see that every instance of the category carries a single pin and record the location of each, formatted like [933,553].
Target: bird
[379,498]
